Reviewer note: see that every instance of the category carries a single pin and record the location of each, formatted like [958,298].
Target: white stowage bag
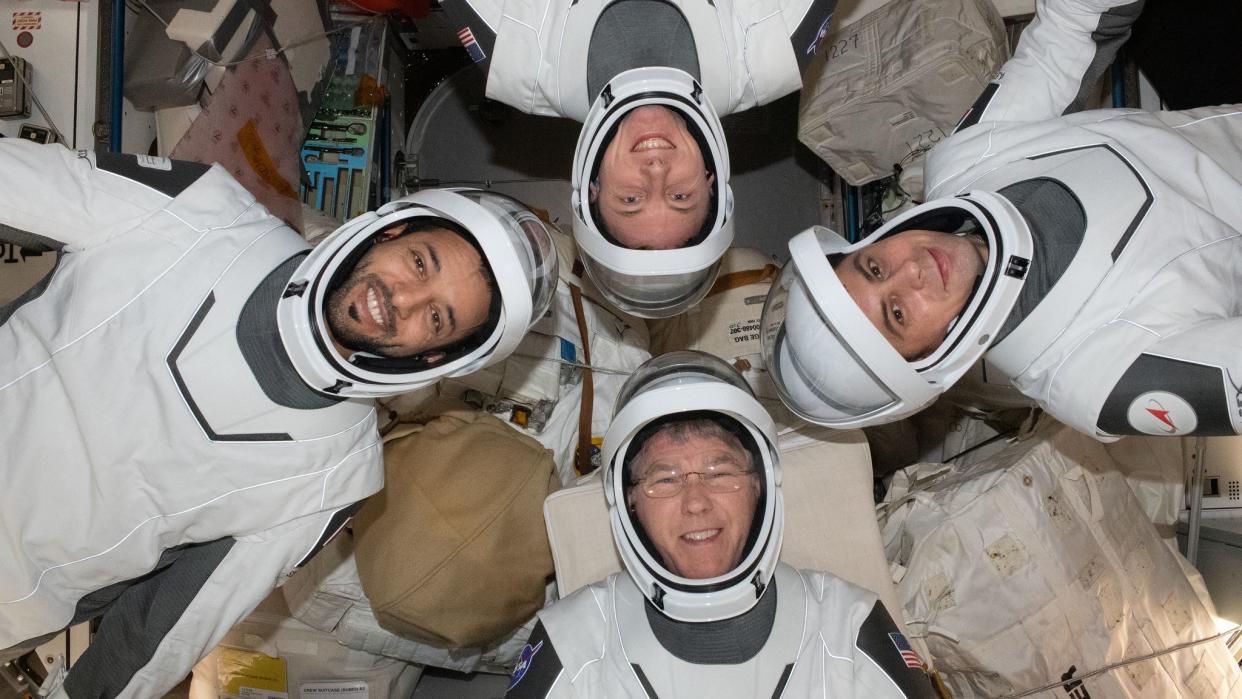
[327,595]
[891,85]
[270,655]
[1038,565]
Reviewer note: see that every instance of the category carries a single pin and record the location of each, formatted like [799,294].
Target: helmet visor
[684,367]
[819,375]
[531,240]
[651,295]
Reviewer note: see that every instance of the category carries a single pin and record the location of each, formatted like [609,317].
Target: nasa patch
[1162,413]
[523,664]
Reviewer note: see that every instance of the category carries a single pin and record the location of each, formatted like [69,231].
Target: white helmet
[691,385]
[513,241]
[652,283]
[833,367]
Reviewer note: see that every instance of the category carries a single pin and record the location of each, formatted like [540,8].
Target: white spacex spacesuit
[760,629]
[539,62]
[1142,333]
[167,461]
[134,476]
[328,594]
[598,62]
[1111,295]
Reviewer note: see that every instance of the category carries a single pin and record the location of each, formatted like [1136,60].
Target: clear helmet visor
[819,375]
[832,365]
[651,295]
[657,258]
[651,463]
[517,252]
[683,368]
[533,242]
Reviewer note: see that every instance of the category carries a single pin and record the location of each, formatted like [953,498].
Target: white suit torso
[133,424]
[328,594]
[1158,271]
[539,63]
[607,648]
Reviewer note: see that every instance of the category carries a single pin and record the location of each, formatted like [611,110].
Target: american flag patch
[907,653]
[472,47]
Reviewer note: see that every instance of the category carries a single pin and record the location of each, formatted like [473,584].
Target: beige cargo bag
[1036,572]
[451,552]
[885,89]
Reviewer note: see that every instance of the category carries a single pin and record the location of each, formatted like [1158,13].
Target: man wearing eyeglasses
[704,608]
[694,492]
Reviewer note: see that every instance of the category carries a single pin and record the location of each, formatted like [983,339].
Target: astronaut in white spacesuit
[542,391]
[649,79]
[1092,259]
[184,396]
[704,608]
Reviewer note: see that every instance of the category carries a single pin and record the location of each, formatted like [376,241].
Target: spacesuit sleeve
[885,665]
[1189,383]
[538,671]
[1059,58]
[158,628]
[54,197]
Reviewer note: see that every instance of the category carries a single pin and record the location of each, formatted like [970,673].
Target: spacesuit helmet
[681,387]
[516,249]
[833,367]
[652,283]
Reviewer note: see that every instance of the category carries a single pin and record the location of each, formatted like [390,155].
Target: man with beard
[185,398]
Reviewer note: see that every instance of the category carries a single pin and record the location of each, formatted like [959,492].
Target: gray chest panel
[635,34]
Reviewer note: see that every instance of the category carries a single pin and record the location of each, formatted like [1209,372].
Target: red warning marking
[27,20]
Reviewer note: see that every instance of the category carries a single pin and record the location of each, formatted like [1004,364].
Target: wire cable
[270,53]
[1123,663]
[567,362]
[437,182]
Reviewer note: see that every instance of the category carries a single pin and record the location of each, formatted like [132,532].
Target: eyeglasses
[666,484]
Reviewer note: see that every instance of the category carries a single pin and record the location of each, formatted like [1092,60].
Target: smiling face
[410,294]
[913,284]
[653,191]
[697,533]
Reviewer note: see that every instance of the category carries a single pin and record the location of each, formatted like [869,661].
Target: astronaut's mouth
[700,536]
[652,142]
[373,305]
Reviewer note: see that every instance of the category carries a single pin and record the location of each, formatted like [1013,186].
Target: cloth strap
[583,463]
[734,280]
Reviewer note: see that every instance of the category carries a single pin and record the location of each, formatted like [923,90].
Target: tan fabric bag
[453,550]
[891,85]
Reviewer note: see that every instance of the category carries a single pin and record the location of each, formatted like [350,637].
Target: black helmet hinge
[606,95]
[1017,266]
[295,289]
[336,388]
[697,92]
[759,584]
[657,596]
